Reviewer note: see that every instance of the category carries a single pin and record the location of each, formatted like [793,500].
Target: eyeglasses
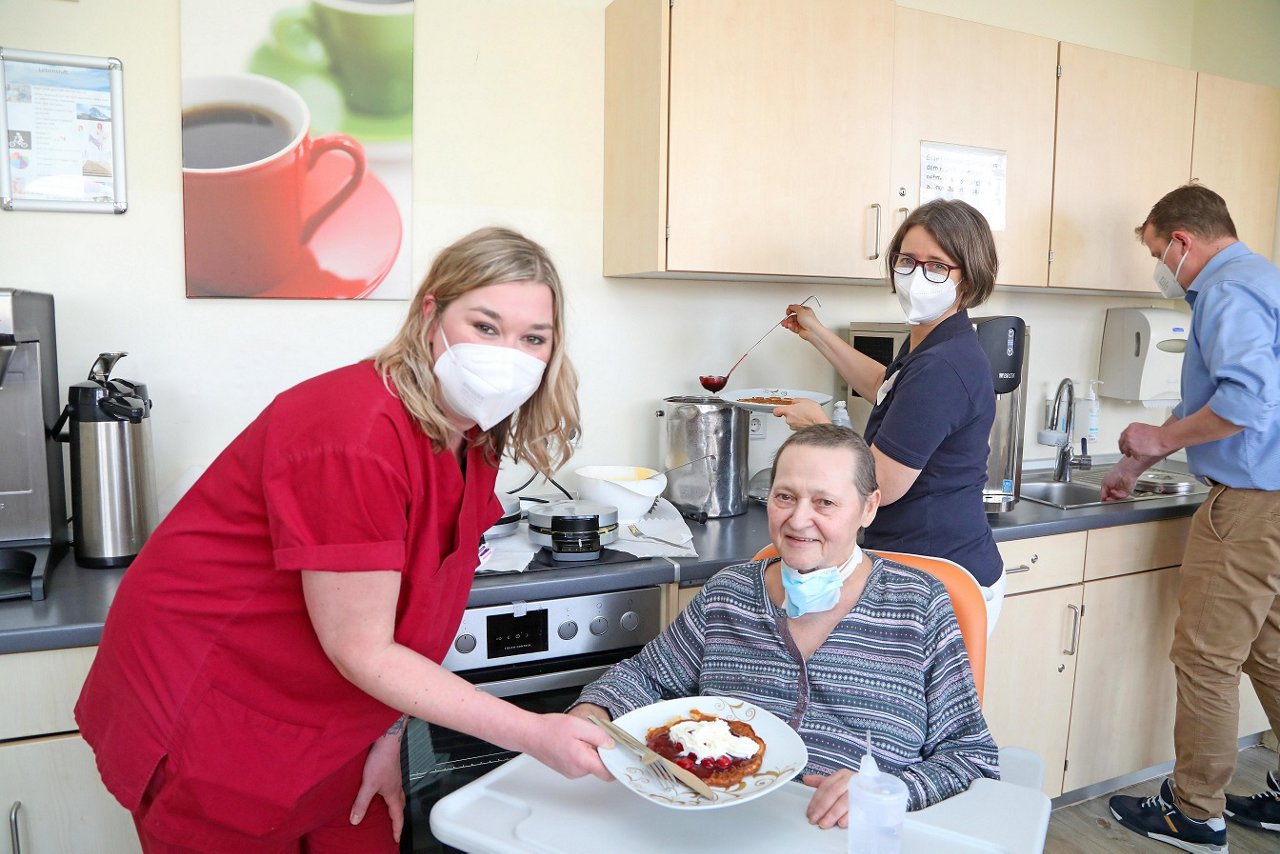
[934,271]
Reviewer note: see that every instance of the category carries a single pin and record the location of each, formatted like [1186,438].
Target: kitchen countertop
[78,598]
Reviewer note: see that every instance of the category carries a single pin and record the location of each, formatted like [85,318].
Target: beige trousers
[1228,621]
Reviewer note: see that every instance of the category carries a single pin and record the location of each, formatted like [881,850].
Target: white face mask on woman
[923,301]
[486,382]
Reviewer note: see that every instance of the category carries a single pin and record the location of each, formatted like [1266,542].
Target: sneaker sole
[1248,822]
[1195,847]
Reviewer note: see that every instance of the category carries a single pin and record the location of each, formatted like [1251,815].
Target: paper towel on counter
[513,553]
[664,521]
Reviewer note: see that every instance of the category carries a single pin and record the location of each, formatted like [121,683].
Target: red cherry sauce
[713,383]
[668,749]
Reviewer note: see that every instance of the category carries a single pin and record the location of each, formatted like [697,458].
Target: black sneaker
[1157,818]
[1260,810]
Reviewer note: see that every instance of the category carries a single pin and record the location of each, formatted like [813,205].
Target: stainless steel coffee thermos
[113,491]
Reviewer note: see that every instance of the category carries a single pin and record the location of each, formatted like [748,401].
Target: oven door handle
[544,682]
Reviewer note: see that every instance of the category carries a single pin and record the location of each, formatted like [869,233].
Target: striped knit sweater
[895,666]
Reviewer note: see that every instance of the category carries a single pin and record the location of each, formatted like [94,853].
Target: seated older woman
[833,640]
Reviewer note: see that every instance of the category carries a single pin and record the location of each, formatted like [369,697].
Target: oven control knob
[599,626]
[630,621]
[464,643]
[568,630]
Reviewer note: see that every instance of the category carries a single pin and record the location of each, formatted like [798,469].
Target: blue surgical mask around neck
[816,590]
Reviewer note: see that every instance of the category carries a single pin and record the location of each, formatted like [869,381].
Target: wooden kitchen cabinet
[1038,563]
[747,137]
[1123,141]
[1237,153]
[1122,708]
[1000,98]
[46,766]
[1031,672]
[64,806]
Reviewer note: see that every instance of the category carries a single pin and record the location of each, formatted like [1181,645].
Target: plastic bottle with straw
[877,808]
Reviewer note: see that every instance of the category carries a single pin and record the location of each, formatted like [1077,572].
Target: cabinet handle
[1014,570]
[13,827]
[875,250]
[1075,630]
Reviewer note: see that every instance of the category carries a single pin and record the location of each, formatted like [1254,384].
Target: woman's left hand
[829,805]
[382,777]
[803,413]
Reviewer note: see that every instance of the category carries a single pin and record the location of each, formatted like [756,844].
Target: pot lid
[1164,483]
[543,515]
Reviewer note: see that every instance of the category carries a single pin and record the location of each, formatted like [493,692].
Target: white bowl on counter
[631,489]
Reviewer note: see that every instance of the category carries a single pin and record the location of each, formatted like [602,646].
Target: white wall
[508,129]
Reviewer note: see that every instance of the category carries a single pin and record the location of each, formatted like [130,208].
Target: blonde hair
[541,431]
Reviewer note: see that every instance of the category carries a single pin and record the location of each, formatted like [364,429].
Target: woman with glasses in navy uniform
[934,403]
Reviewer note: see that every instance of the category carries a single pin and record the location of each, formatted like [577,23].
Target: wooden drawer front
[38,690]
[1041,562]
[1135,548]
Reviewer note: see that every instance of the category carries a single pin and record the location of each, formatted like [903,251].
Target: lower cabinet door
[1122,714]
[1031,667]
[64,806]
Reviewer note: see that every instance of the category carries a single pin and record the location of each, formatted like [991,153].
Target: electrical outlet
[757,427]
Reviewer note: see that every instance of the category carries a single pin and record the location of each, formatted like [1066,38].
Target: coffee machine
[33,510]
[1006,341]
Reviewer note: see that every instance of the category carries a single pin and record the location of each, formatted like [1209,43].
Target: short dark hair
[1194,208]
[835,436]
[964,234]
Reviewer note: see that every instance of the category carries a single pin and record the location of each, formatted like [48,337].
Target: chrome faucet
[1063,463]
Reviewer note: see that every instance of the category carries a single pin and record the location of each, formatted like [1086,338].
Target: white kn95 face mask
[923,301]
[486,382]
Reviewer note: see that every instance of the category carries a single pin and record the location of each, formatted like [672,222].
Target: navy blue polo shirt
[937,417]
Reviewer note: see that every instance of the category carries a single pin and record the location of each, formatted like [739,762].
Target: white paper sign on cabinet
[974,175]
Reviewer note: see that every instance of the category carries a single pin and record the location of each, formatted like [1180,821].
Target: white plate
[784,756]
[737,396]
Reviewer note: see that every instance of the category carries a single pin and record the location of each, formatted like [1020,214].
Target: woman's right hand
[802,321]
[567,744]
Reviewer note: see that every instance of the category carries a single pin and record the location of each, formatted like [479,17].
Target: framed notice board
[62,124]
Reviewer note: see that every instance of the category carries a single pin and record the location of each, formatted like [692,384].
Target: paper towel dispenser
[1142,354]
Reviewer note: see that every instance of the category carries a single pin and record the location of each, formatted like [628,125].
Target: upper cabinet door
[996,94]
[779,144]
[1237,153]
[1124,140]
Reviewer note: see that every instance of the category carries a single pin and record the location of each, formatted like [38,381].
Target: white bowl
[629,488]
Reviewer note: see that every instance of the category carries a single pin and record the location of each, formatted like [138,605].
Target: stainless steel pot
[715,430]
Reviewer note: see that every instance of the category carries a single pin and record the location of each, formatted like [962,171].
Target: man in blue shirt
[1228,607]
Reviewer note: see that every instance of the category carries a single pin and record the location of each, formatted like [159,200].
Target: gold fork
[666,770]
[636,532]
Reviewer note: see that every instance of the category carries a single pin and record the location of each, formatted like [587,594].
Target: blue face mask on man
[817,590]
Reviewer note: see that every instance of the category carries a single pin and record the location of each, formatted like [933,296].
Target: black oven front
[537,655]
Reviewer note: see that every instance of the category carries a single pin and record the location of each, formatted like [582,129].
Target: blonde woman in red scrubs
[300,597]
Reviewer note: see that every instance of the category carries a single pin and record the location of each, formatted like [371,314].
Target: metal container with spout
[1006,341]
[113,491]
[712,433]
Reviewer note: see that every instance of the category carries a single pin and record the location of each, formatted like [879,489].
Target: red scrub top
[208,656]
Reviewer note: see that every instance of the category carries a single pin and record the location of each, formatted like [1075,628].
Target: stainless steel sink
[1085,488]
[1065,496]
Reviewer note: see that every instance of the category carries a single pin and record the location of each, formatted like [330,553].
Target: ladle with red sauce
[714,383]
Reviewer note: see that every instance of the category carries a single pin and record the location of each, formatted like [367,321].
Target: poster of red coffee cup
[297,120]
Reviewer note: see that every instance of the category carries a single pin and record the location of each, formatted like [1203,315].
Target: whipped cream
[711,740]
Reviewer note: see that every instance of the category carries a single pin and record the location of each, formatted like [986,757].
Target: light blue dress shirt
[1232,364]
